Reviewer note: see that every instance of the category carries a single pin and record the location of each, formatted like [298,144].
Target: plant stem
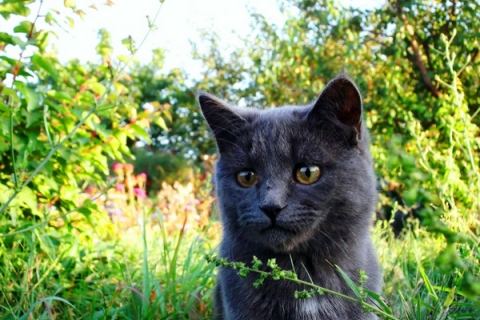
[338,294]
[14,162]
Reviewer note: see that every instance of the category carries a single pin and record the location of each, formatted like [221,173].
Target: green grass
[139,273]
[145,273]
[416,287]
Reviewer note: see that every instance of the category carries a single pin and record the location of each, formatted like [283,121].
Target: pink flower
[140,193]
[117,166]
[90,190]
[142,176]
[188,208]
[129,167]
[120,187]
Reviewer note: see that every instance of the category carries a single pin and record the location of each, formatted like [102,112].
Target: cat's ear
[341,103]
[221,118]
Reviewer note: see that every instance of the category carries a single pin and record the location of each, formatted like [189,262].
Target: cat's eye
[307,174]
[247,178]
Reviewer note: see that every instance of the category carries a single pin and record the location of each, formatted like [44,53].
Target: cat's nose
[272,210]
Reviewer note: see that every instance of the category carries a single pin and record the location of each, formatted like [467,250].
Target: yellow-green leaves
[20,8]
[69,3]
[45,63]
[32,98]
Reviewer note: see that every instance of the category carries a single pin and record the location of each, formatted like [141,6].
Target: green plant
[367,299]
[60,124]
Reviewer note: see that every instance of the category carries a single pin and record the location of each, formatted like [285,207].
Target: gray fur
[323,224]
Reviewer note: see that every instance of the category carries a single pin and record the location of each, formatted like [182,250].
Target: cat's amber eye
[247,178]
[307,174]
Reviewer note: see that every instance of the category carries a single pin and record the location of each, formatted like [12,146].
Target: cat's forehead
[275,133]
[278,120]
[283,114]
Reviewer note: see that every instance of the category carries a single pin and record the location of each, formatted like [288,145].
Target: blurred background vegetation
[106,202]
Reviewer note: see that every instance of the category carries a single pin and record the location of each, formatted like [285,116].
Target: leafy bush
[60,123]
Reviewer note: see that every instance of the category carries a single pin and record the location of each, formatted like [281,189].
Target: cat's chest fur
[274,299]
[295,184]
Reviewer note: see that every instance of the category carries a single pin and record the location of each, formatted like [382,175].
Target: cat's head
[290,175]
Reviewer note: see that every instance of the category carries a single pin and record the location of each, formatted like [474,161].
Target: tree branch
[417,61]
[446,26]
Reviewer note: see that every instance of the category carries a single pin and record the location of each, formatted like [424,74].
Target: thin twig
[14,162]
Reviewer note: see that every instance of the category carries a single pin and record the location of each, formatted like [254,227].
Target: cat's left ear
[341,103]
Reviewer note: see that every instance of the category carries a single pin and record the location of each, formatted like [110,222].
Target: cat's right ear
[221,118]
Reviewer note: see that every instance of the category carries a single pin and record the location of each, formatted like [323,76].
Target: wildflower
[141,177]
[140,193]
[117,166]
[118,169]
[188,208]
[120,187]
[129,168]
[90,190]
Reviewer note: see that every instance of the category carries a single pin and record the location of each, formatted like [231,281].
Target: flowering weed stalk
[277,273]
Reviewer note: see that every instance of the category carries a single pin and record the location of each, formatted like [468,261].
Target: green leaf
[69,3]
[71,22]
[5,193]
[85,211]
[159,121]
[10,61]
[45,64]
[50,19]
[139,131]
[378,298]
[31,96]
[450,298]
[65,153]
[426,281]
[19,142]
[61,96]
[411,195]
[9,39]
[167,114]
[97,88]
[28,198]
[4,147]
[33,118]
[42,301]
[17,8]
[349,282]
[23,27]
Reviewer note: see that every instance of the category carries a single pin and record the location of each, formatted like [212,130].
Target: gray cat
[295,184]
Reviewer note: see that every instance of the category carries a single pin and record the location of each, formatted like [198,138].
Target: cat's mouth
[278,238]
[276,227]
